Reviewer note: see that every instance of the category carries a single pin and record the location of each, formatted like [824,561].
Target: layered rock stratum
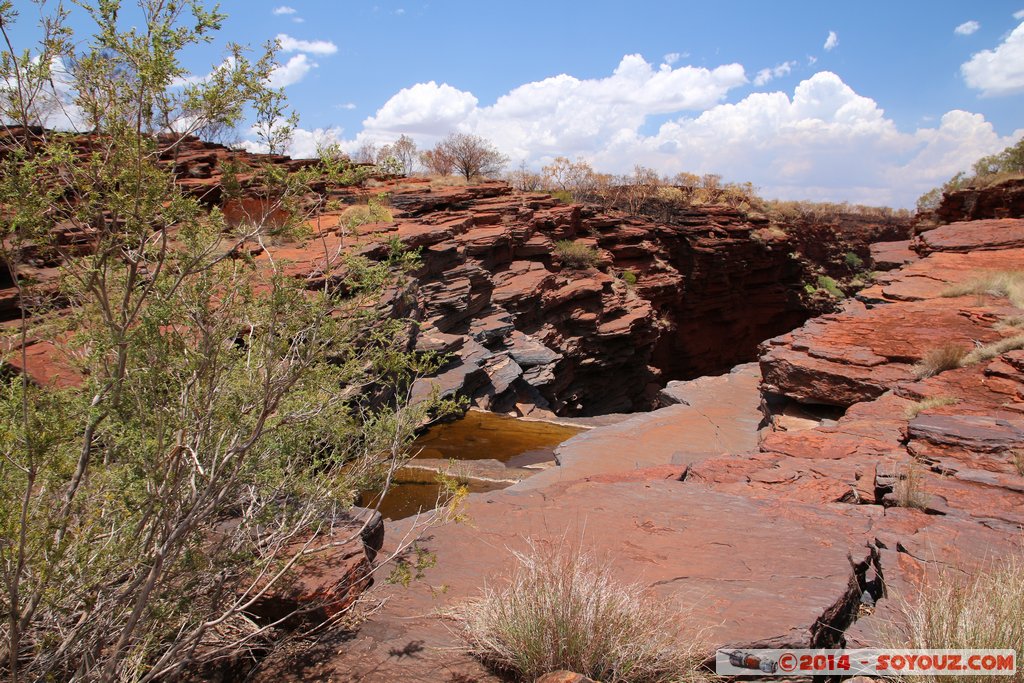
[527,333]
[762,501]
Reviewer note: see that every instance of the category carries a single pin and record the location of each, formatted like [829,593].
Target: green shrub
[563,610]
[853,261]
[629,277]
[576,254]
[830,286]
[563,196]
[372,212]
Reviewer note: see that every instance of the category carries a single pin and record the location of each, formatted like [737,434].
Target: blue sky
[903,95]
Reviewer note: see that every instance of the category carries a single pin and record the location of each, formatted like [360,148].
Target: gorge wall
[673,294]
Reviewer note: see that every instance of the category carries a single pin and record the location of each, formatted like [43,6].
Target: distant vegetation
[646,191]
[985,172]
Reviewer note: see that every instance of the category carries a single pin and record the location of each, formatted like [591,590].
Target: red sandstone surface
[527,334]
[735,501]
[787,535]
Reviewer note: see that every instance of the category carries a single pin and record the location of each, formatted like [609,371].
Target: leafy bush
[629,277]
[373,211]
[564,610]
[853,261]
[224,413]
[576,254]
[986,171]
[956,610]
[829,285]
[563,196]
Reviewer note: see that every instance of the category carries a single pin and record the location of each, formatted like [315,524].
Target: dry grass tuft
[564,610]
[953,612]
[1007,283]
[909,489]
[928,403]
[362,214]
[941,358]
[990,351]
[1017,457]
[576,254]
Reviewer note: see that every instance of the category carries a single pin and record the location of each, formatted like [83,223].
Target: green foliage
[853,261]
[411,566]
[1010,160]
[373,211]
[829,285]
[576,254]
[563,196]
[338,169]
[1006,164]
[629,277]
[226,413]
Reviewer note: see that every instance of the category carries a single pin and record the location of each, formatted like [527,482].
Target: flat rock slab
[987,235]
[721,558]
[715,415]
[860,353]
[930,277]
[889,255]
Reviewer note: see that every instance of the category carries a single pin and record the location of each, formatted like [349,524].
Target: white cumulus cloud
[1019,14]
[561,114]
[317,47]
[291,72]
[831,41]
[765,75]
[999,71]
[967,28]
[426,108]
[821,141]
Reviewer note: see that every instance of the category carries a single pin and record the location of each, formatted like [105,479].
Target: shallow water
[477,436]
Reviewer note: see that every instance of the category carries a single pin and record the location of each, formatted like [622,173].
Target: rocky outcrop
[1001,200]
[689,293]
[770,532]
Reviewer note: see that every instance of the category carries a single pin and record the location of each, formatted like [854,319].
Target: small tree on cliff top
[224,413]
[471,155]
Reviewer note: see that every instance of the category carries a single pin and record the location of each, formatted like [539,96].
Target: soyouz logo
[869,662]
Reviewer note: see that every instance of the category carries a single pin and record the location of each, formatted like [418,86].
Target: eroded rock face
[689,293]
[1003,200]
[768,532]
